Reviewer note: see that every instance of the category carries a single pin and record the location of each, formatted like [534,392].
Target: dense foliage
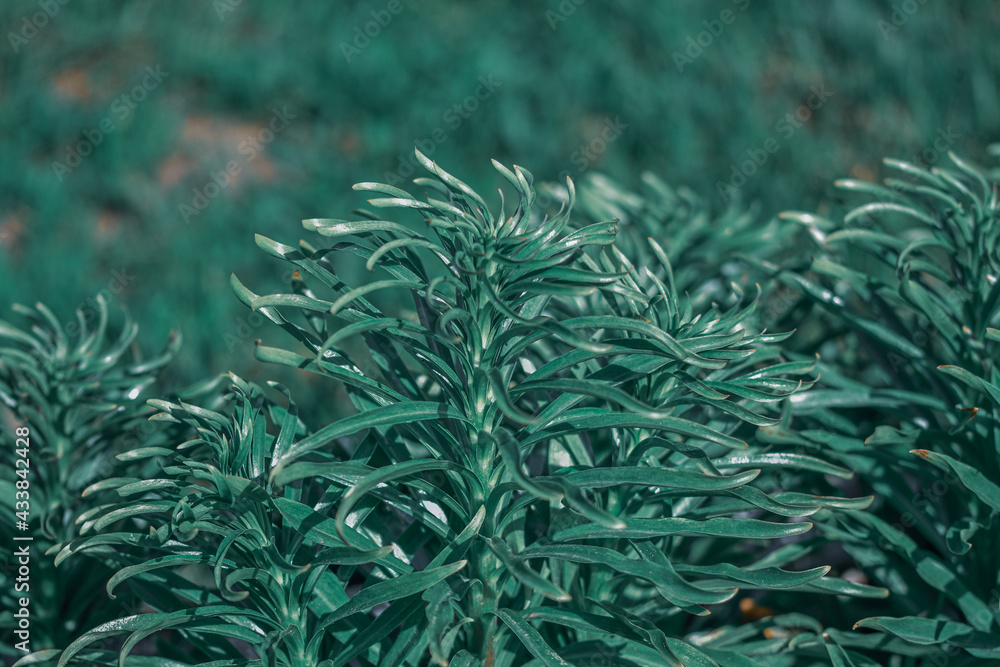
[76,393]
[575,433]
[907,288]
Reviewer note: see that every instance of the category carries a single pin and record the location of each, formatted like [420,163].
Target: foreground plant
[78,393]
[908,286]
[224,557]
[552,460]
[557,419]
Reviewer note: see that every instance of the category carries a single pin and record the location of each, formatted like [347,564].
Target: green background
[690,88]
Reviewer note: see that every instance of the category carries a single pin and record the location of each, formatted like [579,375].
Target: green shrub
[552,459]
[568,438]
[905,288]
[79,391]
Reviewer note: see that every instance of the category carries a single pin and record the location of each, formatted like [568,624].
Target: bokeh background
[117,117]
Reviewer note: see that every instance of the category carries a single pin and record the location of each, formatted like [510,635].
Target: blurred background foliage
[684,90]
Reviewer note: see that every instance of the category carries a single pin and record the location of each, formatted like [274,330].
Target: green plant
[552,461]
[906,304]
[218,539]
[79,392]
[703,248]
